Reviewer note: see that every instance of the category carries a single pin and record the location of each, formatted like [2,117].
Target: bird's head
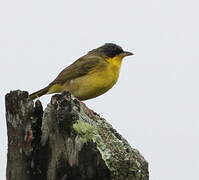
[111,50]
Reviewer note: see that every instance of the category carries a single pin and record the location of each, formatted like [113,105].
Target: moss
[86,131]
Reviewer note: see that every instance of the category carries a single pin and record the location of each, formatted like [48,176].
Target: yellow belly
[94,84]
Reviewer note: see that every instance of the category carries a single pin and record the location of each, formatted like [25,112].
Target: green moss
[86,131]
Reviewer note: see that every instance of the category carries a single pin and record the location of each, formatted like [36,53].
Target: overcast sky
[155,104]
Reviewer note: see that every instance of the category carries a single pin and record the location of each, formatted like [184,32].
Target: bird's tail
[39,93]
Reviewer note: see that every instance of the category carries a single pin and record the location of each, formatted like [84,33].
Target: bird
[90,76]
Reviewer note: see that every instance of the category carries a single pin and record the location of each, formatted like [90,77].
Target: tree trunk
[67,141]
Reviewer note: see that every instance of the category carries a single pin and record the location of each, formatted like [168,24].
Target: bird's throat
[115,61]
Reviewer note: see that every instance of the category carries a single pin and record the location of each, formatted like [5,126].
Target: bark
[66,141]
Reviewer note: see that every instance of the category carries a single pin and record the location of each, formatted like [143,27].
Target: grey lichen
[119,157]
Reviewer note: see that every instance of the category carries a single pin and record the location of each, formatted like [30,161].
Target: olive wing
[79,68]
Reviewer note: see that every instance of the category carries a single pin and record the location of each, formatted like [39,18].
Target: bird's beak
[126,53]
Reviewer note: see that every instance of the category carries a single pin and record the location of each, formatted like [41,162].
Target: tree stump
[66,141]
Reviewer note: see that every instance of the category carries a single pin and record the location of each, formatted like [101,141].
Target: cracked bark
[66,141]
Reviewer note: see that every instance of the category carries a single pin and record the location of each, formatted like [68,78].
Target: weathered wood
[67,141]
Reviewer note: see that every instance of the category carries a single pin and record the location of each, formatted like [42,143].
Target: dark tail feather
[38,93]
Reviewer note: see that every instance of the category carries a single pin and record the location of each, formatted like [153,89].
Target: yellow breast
[98,81]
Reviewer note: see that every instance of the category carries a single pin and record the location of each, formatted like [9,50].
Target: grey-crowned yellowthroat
[89,76]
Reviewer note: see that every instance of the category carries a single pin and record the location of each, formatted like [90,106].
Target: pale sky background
[155,104]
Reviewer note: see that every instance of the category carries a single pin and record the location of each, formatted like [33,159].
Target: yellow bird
[91,75]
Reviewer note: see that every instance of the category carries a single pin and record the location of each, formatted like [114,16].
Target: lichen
[86,131]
